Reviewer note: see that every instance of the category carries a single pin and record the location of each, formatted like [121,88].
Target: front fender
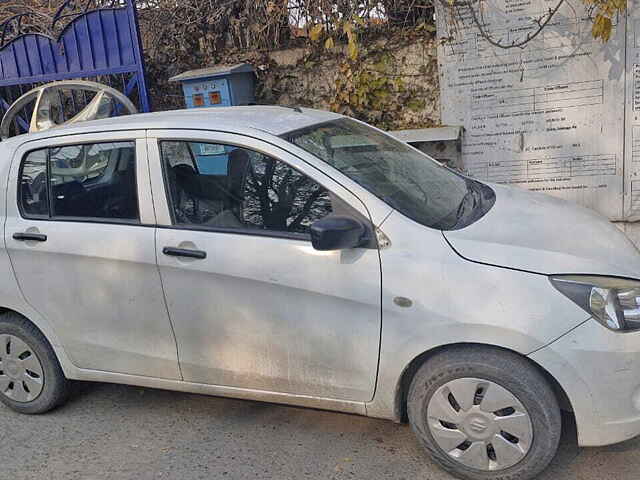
[396,372]
[452,301]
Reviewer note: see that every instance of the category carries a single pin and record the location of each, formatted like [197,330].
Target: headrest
[183,170]
[239,155]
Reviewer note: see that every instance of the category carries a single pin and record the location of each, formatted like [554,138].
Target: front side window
[224,186]
[404,178]
[93,181]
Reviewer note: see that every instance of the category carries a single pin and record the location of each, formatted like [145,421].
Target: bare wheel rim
[479,424]
[21,373]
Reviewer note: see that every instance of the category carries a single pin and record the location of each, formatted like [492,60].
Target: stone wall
[393,83]
[392,87]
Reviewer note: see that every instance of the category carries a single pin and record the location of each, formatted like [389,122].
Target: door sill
[308,401]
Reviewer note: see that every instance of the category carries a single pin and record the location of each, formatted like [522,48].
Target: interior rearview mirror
[337,232]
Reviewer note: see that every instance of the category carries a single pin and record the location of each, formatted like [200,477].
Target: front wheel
[485,414]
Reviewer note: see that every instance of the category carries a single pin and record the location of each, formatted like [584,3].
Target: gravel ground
[119,432]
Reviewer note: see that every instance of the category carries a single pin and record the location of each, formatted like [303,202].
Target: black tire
[510,371]
[55,387]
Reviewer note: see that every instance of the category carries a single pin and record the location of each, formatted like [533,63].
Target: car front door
[252,303]
[80,234]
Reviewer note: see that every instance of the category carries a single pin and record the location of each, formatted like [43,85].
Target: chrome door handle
[35,237]
[184,252]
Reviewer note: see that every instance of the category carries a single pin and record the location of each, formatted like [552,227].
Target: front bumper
[599,371]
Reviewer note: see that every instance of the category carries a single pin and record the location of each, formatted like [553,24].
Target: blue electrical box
[220,86]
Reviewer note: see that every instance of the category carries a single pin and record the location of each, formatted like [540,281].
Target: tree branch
[542,22]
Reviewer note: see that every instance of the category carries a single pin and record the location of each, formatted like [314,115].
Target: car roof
[275,120]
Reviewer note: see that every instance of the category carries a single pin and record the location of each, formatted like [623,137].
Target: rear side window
[90,181]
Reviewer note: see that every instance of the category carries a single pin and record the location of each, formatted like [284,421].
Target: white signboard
[632,119]
[560,115]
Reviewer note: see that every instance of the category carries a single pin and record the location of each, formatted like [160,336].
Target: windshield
[404,178]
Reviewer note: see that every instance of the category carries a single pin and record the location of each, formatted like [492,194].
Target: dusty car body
[156,283]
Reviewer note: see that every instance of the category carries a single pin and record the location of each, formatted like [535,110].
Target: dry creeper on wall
[368,84]
[363,93]
[367,90]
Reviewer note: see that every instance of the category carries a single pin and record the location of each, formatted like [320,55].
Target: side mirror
[336,233]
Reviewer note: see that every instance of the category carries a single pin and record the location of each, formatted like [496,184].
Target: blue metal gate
[97,40]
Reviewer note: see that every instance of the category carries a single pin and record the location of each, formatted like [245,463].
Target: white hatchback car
[302,257]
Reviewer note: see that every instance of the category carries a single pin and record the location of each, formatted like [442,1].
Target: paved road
[117,432]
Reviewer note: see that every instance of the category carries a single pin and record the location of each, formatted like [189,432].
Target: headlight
[614,302]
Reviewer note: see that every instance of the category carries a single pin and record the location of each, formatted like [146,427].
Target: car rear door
[255,306]
[80,233]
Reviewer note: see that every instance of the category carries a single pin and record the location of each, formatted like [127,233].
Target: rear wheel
[485,414]
[31,379]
